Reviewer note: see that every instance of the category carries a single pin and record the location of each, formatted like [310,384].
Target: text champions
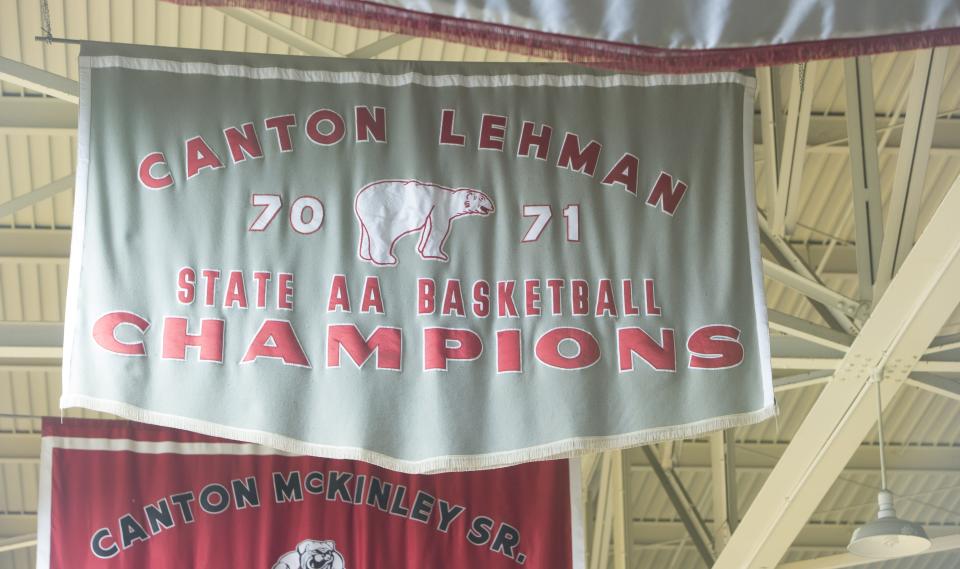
[627,303]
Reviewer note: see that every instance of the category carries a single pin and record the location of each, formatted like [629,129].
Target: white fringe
[454,463]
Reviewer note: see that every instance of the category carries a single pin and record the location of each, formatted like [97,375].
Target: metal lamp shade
[888,536]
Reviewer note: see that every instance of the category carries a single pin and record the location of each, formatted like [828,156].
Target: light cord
[883,465]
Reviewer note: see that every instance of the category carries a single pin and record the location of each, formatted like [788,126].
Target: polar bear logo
[312,554]
[390,209]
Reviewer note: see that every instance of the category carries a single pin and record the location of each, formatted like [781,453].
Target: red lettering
[236,294]
[441,345]
[426,296]
[210,278]
[281,125]
[285,291]
[531,297]
[606,305]
[579,292]
[385,342]
[528,138]
[186,285]
[629,308]
[276,339]
[339,297]
[453,299]
[625,172]
[716,346]
[371,124]
[145,172]
[243,145]
[666,194]
[105,333]
[573,157]
[481,299]
[200,156]
[176,338]
[262,279]
[661,357]
[509,358]
[447,136]
[333,136]
[372,300]
[587,348]
[492,130]
[505,304]
[556,304]
[650,303]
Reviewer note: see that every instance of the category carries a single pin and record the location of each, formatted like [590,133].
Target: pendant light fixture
[887,536]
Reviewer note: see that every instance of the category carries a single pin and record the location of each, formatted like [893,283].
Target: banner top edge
[264,66]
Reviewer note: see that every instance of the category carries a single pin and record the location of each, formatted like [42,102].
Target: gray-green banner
[427,266]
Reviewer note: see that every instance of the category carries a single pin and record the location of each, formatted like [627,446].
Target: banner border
[78,227]
[44,503]
[412,77]
[564,448]
[79,443]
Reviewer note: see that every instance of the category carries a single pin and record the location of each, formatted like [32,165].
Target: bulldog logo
[312,554]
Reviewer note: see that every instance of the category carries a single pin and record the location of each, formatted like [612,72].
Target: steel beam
[15,524]
[37,115]
[769,129]
[908,181]
[761,457]
[943,386]
[790,175]
[799,380]
[812,288]
[864,170]
[621,499]
[685,510]
[790,363]
[944,344]
[383,44]
[30,341]
[604,516]
[723,487]
[787,257]
[34,245]
[827,134]
[18,542]
[39,80]
[939,544]
[28,199]
[279,32]
[917,303]
[809,331]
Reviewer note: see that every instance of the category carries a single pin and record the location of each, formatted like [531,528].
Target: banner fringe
[567,448]
[594,52]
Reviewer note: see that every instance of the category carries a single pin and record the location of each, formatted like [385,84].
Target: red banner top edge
[117,429]
[615,56]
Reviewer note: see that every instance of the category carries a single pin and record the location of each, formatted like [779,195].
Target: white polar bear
[312,554]
[389,209]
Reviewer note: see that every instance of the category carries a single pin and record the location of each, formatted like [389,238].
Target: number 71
[542,215]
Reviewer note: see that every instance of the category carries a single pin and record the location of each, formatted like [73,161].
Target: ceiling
[922,423]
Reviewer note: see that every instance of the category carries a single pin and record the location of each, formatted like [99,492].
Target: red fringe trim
[597,53]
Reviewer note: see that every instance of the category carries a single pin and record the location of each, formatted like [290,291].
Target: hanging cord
[877,378]
[46,30]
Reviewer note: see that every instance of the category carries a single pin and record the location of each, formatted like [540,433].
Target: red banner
[122,495]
